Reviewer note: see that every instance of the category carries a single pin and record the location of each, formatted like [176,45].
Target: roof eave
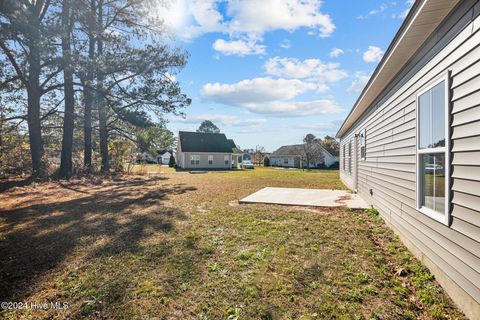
[394,59]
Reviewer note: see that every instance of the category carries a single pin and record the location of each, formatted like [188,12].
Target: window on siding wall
[210,160]
[227,160]
[350,157]
[344,157]
[194,160]
[363,144]
[285,161]
[432,151]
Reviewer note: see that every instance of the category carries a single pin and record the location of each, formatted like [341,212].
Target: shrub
[171,161]
[372,211]
[266,161]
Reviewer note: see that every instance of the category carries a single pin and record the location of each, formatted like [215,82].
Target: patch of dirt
[234,203]
[343,198]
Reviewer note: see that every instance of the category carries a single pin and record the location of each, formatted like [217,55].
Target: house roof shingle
[205,142]
[234,146]
[294,150]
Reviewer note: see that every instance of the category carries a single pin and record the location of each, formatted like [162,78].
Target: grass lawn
[175,245]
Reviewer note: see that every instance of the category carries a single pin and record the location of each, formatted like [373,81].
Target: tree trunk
[102,116]
[88,92]
[67,141]
[33,112]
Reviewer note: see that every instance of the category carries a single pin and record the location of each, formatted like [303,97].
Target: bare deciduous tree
[311,151]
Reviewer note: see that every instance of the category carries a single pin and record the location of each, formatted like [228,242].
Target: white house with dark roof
[293,156]
[163,156]
[411,143]
[198,150]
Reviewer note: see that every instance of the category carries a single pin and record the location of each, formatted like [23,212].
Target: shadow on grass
[42,236]
[13,183]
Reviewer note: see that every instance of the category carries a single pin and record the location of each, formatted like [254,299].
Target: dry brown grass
[178,246]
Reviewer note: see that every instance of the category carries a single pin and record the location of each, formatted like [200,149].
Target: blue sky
[268,72]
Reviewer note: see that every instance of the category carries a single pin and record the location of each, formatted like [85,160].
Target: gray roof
[294,150]
[205,142]
[234,146]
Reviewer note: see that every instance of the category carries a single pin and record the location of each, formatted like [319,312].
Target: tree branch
[14,63]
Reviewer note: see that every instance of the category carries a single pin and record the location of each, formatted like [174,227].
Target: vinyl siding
[329,159]
[390,165]
[295,161]
[218,161]
[279,161]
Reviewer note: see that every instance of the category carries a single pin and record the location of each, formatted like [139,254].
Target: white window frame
[226,160]
[210,160]
[350,162]
[194,160]
[445,218]
[363,144]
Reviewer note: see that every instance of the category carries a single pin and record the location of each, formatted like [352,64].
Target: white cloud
[403,14]
[311,69]
[359,82]
[202,17]
[376,11]
[373,54]
[238,47]
[286,44]
[295,108]
[226,120]
[257,17]
[269,96]
[255,90]
[170,77]
[320,126]
[252,18]
[336,52]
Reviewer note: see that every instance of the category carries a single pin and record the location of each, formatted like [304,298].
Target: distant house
[237,159]
[257,157]
[198,150]
[246,156]
[146,157]
[293,156]
[410,146]
[163,156]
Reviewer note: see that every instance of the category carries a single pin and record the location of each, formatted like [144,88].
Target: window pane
[438,116]
[440,182]
[432,117]
[433,181]
[428,181]
[425,124]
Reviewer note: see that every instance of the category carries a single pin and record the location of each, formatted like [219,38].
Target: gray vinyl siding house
[411,144]
[206,151]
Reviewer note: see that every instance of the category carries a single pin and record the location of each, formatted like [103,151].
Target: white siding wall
[390,166]
[280,161]
[329,159]
[218,160]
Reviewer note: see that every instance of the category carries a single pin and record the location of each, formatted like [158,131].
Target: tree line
[82,81]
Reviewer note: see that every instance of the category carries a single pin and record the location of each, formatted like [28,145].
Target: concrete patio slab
[307,197]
